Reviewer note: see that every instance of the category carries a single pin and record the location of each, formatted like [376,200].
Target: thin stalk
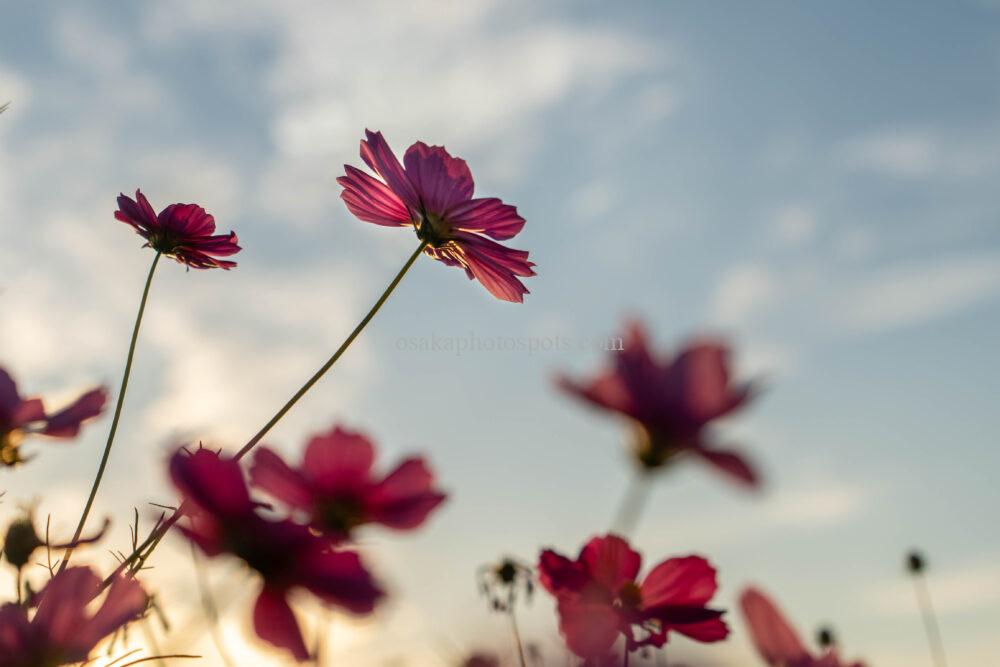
[633,503]
[209,607]
[333,359]
[517,637]
[143,551]
[114,420]
[934,641]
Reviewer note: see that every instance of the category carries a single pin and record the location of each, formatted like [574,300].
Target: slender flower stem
[209,607]
[934,640]
[114,420]
[625,656]
[517,637]
[143,551]
[632,504]
[333,359]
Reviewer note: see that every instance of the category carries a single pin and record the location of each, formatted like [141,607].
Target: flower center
[9,443]
[629,596]
[243,541]
[164,241]
[653,450]
[434,229]
[340,515]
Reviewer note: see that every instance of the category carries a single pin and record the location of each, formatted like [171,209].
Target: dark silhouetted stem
[114,420]
[211,610]
[143,551]
[934,641]
[336,355]
[632,505]
[517,637]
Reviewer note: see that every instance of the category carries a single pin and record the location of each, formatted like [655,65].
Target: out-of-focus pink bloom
[433,194]
[336,488]
[285,554]
[20,417]
[776,641]
[182,231]
[481,660]
[671,401]
[599,598]
[66,626]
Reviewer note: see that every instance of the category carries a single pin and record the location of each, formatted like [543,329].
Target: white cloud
[918,292]
[963,588]
[225,375]
[821,505]
[592,201]
[811,505]
[898,153]
[920,153]
[83,40]
[854,243]
[15,90]
[742,293]
[793,225]
[338,70]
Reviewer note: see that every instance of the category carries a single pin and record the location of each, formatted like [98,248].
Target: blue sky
[814,180]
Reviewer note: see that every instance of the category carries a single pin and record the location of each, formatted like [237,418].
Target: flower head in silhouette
[66,626]
[182,231]
[432,193]
[777,642]
[671,402]
[21,417]
[336,488]
[285,554]
[599,598]
[502,582]
[22,540]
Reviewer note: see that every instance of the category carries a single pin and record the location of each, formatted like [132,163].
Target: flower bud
[21,542]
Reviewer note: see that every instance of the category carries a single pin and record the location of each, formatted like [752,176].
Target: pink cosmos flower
[336,488]
[599,598]
[66,626]
[671,401]
[287,555]
[776,641]
[481,660]
[20,417]
[433,194]
[182,231]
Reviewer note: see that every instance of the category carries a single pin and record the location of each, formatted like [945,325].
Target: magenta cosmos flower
[432,192]
[670,401]
[20,417]
[337,490]
[182,231]
[776,641]
[66,626]
[599,598]
[287,555]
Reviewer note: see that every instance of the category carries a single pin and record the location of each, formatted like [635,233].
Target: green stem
[142,552]
[333,359]
[517,637]
[632,504]
[209,607]
[114,420]
[931,627]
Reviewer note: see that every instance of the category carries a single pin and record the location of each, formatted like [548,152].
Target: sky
[814,181]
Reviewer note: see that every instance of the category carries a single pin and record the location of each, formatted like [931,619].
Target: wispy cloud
[918,292]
